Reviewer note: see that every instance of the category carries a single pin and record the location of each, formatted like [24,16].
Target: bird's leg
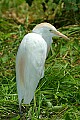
[20,108]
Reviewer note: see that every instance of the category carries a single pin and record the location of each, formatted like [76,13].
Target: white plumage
[30,59]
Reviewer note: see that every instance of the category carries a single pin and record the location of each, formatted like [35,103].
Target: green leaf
[67,117]
[5,58]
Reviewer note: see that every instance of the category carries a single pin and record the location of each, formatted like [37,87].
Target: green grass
[57,96]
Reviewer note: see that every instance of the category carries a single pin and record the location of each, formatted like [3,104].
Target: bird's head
[47,30]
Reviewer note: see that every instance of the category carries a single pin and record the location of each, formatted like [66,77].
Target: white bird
[30,59]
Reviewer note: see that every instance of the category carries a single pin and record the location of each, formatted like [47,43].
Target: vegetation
[57,96]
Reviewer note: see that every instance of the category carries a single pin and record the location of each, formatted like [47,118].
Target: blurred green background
[57,96]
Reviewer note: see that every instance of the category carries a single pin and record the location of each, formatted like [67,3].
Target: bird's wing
[30,61]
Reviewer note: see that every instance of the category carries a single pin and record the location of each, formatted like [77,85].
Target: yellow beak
[60,34]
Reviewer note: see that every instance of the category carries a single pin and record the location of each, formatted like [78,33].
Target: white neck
[45,35]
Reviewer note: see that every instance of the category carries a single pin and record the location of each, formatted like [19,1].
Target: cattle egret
[30,59]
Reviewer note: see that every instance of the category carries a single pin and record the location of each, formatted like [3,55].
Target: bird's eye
[50,30]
